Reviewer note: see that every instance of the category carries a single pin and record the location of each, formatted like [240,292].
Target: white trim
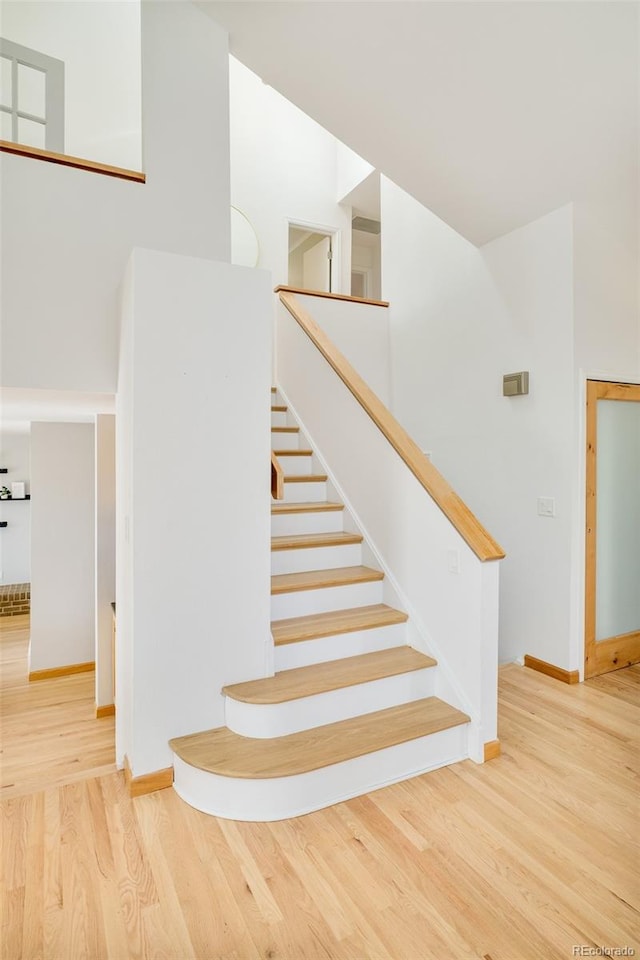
[337,646]
[316,558]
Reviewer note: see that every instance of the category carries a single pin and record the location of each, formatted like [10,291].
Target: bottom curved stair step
[240,778]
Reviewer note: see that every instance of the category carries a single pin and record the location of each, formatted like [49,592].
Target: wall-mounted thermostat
[515,384]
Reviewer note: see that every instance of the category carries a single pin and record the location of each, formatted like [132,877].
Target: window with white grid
[31,97]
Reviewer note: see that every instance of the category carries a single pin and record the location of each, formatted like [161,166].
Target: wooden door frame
[615,652]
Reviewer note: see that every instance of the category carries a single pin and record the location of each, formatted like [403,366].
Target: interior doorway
[311,259]
[612,574]
[366,256]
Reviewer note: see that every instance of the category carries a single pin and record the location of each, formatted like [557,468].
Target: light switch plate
[546,507]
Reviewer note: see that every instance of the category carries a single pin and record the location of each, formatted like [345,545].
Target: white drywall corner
[105,559]
[193,535]
[62,544]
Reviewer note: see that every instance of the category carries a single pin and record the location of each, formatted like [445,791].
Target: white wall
[193,500]
[105,558]
[532,450]
[366,255]
[62,544]
[461,318]
[361,332]
[607,312]
[99,43]
[283,167]
[15,539]
[74,230]
[124,679]
[350,170]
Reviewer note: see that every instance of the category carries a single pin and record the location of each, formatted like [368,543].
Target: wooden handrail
[456,511]
[277,478]
[35,153]
[330,296]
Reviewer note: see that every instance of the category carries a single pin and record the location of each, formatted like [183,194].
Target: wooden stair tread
[278,409]
[318,507]
[229,755]
[316,625]
[318,579]
[303,541]
[305,478]
[333,675]
[293,453]
[285,429]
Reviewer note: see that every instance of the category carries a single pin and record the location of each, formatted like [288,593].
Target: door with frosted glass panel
[612,612]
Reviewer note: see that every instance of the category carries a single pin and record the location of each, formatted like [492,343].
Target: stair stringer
[418,636]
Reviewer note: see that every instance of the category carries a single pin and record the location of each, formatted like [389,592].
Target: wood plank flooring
[49,731]
[522,858]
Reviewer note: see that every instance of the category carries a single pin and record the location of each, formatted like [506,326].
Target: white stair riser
[316,558]
[304,653]
[301,603]
[279,798]
[279,719]
[285,441]
[308,492]
[290,524]
[296,466]
[279,419]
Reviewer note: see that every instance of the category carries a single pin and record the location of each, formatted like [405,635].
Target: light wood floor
[49,731]
[519,859]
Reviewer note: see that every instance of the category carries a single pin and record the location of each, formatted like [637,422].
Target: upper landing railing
[456,511]
[35,153]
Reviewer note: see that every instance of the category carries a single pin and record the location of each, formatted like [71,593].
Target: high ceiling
[490,113]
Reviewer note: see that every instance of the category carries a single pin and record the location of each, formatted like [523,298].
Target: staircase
[351,706]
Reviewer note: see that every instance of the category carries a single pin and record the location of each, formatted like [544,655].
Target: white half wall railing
[436,555]
[359,329]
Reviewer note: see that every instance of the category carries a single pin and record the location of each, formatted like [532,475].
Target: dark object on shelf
[3,523]
[4,469]
[9,499]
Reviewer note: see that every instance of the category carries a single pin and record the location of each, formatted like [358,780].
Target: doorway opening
[312,258]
